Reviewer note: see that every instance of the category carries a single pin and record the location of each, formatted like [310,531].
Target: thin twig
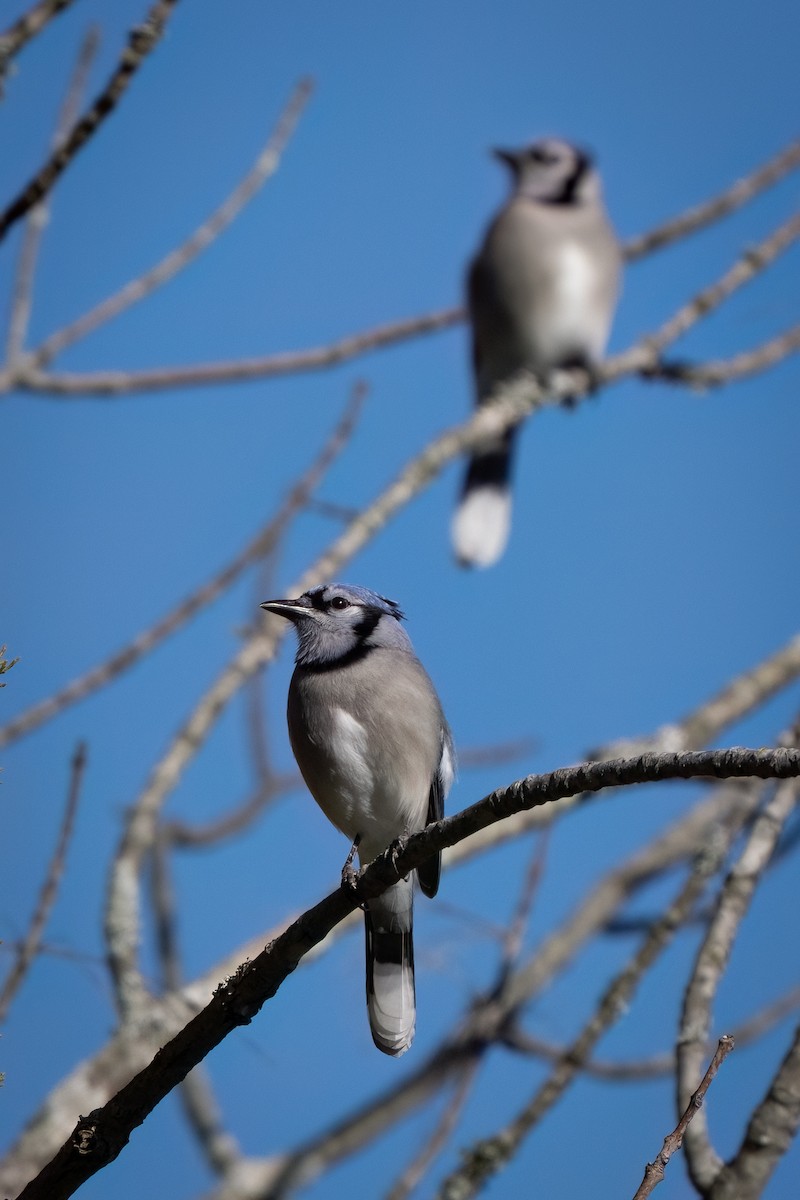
[26,27]
[701,215]
[33,939]
[769,1134]
[184,836]
[197,1098]
[106,384]
[494,1153]
[703,1163]
[264,541]
[750,264]
[717,372]
[654,1171]
[657,1065]
[137,289]
[141,41]
[433,1146]
[22,297]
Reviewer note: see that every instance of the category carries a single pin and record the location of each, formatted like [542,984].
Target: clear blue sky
[654,553]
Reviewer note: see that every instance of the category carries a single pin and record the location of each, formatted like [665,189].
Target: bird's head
[552,171]
[337,623]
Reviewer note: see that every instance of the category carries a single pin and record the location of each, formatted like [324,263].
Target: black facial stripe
[317,600]
[567,194]
[368,623]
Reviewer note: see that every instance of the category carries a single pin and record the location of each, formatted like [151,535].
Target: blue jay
[376,753]
[541,294]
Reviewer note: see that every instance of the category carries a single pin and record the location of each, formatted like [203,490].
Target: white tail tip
[481,526]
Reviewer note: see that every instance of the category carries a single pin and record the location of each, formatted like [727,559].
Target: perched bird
[375,750]
[541,294]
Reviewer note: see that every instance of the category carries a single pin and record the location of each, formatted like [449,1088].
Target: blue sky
[654,553]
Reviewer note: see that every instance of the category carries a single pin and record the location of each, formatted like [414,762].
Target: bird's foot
[348,870]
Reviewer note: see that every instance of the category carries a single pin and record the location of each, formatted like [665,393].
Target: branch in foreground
[769,1134]
[144,642]
[32,942]
[512,402]
[654,1171]
[263,168]
[99,1137]
[485,1022]
[141,41]
[91,1083]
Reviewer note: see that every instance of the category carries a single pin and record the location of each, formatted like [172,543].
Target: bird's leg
[579,363]
[348,873]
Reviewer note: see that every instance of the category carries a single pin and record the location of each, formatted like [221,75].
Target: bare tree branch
[703,1163]
[263,168]
[701,215]
[26,27]
[719,371]
[739,697]
[92,1083]
[105,384]
[654,1171]
[31,944]
[141,41]
[22,297]
[751,263]
[264,541]
[493,1154]
[769,1134]
[415,1172]
[622,1071]
[99,1137]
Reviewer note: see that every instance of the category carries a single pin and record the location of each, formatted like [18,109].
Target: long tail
[482,521]
[391,1004]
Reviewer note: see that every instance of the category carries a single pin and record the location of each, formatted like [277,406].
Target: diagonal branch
[206,594]
[654,1171]
[769,1134]
[493,1154]
[31,944]
[703,1163]
[25,28]
[263,168]
[101,1136]
[92,1083]
[141,41]
[22,297]
[701,215]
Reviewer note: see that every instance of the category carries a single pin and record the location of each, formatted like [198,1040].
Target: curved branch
[100,1137]
[92,1083]
[703,1163]
[263,168]
[207,593]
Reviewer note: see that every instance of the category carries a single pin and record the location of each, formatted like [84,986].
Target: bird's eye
[338,602]
[545,157]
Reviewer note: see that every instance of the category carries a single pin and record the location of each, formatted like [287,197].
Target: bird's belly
[374,792]
[568,318]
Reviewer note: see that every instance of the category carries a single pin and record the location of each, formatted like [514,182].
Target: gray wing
[430,871]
